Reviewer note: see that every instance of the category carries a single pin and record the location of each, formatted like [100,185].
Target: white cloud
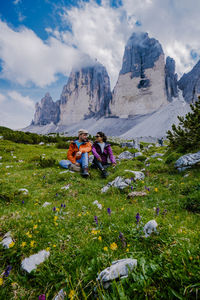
[16,2]
[2,98]
[25,101]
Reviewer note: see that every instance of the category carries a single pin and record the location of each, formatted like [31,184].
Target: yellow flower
[54,246]
[122,208]
[35,226]
[128,245]
[156,189]
[79,215]
[32,243]
[56,224]
[29,235]
[142,181]
[57,209]
[100,238]
[55,218]
[127,249]
[94,231]
[113,246]
[182,182]
[48,248]
[105,248]
[23,244]
[71,294]
[11,244]
[1,281]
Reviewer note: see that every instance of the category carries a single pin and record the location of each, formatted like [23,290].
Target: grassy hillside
[168,262]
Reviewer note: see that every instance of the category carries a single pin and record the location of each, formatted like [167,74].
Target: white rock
[149,227]
[60,295]
[156,155]
[138,154]
[30,263]
[159,159]
[7,240]
[138,175]
[126,155]
[0,157]
[24,191]
[7,167]
[46,204]
[97,204]
[41,143]
[66,187]
[118,269]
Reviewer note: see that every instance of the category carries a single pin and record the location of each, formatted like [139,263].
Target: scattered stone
[91,157]
[186,175]
[150,146]
[7,240]
[31,263]
[0,157]
[60,295]
[66,171]
[118,269]
[24,191]
[7,167]
[159,159]
[188,160]
[1,137]
[98,204]
[126,155]
[149,227]
[41,143]
[46,204]
[138,175]
[119,182]
[66,187]
[136,194]
[20,161]
[138,154]
[157,155]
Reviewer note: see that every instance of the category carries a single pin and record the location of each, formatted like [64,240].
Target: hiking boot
[104,173]
[85,172]
[75,168]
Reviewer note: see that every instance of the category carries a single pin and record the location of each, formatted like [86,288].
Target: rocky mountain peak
[171,79]
[190,84]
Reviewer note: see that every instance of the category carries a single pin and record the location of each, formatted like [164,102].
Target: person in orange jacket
[78,154]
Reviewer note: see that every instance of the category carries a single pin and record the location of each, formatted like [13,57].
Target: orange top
[73,149]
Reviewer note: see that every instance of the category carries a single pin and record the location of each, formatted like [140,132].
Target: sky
[42,40]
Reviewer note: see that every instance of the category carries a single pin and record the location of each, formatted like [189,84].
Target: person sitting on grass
[78,154]
[102,151]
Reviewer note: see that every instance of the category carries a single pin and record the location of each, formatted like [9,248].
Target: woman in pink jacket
[102,151]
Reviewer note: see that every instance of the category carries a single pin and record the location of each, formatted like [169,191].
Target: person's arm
[69,154]
[111,156]
[94,152]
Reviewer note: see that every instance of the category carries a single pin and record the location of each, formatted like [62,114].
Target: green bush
[63,145]
[46,162]
[192,202]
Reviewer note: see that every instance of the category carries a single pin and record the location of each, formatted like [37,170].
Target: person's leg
[101,167]
[65,163]
[84,164]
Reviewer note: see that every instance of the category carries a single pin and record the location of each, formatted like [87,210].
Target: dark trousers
[99,165]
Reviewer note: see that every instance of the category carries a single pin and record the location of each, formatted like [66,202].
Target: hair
[102,135]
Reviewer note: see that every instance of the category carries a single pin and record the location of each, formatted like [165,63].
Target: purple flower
[22,201]
[44,177]
[131,188]
[61,205]
[7,271]
[157,211]
[164,212]
[54,209]
[42,297]
[56,194]
[132,179]
[109,211]
[137,218]
[122,238]
[96,219]
[148,189]
[64,205]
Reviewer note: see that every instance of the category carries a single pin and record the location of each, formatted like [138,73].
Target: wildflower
[100,238]
[55,218]
[22,201]
[7,271]
[96,219]
[113,246]
[1,281]
[71,294]
[29,235]
[48,248]
[142,181]
[127,249]
[54,246]
[55,223]
[122,238]
[11,244]
[44,177]
[56,194]
[157,211]
[146,188]
[132,179]
[35,226]
[54,209]
[131,188]
[57,209]
[138,218]
[79,215]
[32,244]
[109,211]
[105,248]
[61,205]
[23,244]
[164,212]
[94,231]
[64,205]
[156,190]
[42,297]
[122,208]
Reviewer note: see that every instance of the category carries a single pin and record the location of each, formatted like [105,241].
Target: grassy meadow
[168,261]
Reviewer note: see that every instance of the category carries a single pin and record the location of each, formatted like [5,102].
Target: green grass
[168,262]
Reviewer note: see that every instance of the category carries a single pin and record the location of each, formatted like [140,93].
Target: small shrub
[63,145]
[141,158]
[46,162]
[192,203]
[172,157]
